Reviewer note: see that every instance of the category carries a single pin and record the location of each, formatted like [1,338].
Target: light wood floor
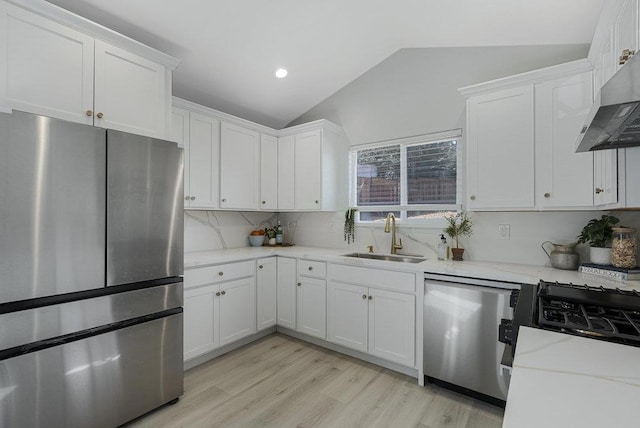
[280,381]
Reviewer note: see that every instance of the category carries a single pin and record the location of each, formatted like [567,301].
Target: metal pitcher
[563,256]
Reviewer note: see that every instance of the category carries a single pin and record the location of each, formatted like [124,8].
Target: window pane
[428,215]
[377,216]
[378,173]
[431,173]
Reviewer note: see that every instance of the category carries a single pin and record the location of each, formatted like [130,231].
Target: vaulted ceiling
[231,49]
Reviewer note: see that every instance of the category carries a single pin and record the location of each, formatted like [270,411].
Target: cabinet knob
[264,202]
[370,297]
[193,198]
[317,202]
[186,198]
[473,198]
[260,267]
[89,113]
[599,190]
[626,54]
[299,284]
[310,267]
[364,296]
[547,195]
[223,292]
[100,115]
[224,199]
[220,273]
[218,294]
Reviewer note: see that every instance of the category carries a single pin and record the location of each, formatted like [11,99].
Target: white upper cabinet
[239,167]
[130,92]
[521,134]
[204,160]
[500,150]
[268,172]
[49,68]
[564,178]
[308,169]
[626,31]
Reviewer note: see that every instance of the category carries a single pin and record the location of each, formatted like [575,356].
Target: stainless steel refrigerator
[91,253]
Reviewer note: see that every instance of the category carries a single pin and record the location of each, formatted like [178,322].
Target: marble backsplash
[211,230]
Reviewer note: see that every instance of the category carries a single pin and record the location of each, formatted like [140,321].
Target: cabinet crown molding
[530,77]
[63,16]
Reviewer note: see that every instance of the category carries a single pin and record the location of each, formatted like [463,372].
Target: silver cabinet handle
[220,273]
[310,267]
[224,199]
[599,190]
[473,198]
[218,294]
[264,202]
[547,195]
[317,202]
[364,296]
[186,198]
[260,267]
[370,297]
[223,292]
[193,198]
[89,113]
[299,284]
[100,115]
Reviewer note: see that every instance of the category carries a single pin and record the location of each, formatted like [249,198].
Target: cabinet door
[392,323]
[237,309]
[203,161]
[347,310]
[286,173]
[180,134]
[200,321]
[131,93]
[46,68]
[500,150]
[287,292]
[605,167]
[312,308]
[268,172]
[308,170]
[626,29]
[239,167]
[564,178]
[266,287]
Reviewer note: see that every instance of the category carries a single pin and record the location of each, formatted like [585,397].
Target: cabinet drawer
[311,268]
[213,274]
[371,277]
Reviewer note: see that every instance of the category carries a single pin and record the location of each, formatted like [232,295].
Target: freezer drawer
[144,208]
[101,381]
[461,336]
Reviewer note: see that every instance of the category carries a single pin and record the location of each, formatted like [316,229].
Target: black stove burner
[587,311]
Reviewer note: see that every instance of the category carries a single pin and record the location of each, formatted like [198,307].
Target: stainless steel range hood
[614,119]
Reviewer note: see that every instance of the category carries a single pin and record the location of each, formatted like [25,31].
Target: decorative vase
[600,256]
[457,253]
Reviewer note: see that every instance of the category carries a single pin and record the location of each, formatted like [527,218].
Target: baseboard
[352,353]
[196,361]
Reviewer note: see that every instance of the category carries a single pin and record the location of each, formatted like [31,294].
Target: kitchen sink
[387,257]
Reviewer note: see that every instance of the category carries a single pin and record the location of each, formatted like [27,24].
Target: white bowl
[256,240]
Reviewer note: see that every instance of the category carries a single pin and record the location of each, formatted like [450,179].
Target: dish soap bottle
[279,234]
[443,248]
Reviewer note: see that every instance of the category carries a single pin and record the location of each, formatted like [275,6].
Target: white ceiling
[230,49]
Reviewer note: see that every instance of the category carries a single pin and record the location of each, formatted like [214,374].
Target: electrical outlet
[504,231]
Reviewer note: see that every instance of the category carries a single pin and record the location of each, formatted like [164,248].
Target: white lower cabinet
[379,322]
[311,306]
[266,291]
[287,274]
[219,306]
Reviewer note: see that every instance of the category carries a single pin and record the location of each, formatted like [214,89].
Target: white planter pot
[600,256]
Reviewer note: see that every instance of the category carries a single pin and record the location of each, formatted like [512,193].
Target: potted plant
[598,234]
[459,225]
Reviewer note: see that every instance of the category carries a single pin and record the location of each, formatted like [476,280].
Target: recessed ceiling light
[281,73]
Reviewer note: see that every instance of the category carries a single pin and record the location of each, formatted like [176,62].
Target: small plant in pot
[598,234]
[459,225]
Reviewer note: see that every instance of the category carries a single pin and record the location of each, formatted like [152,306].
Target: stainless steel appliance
[461,348]
[90,262]
[614,119]
[595,312]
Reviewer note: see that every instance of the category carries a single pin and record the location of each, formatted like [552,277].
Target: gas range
[595,312]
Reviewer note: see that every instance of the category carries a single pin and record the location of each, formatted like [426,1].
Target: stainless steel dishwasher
[461,348]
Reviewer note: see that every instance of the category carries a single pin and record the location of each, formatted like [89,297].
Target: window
[416,178]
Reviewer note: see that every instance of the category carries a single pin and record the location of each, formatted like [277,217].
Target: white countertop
[510,272]
[559,380]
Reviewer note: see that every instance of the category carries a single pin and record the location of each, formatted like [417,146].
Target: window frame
[404,207]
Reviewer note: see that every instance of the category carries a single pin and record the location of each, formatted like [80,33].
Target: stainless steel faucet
[391,221]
